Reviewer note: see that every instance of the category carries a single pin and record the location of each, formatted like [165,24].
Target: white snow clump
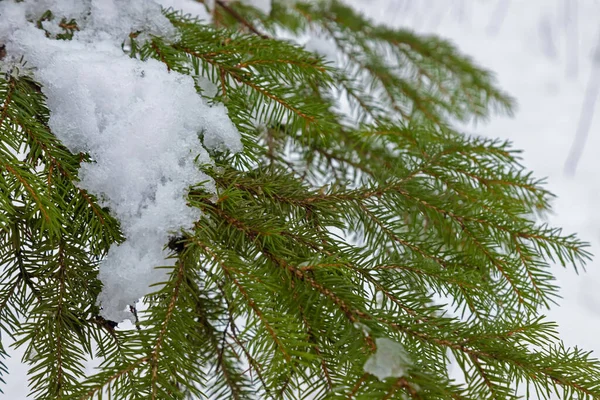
[138,121]
[390,360]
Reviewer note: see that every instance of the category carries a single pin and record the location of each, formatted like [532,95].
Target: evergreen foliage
[329,230]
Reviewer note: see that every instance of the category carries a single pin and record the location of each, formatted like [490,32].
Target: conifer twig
[240,19]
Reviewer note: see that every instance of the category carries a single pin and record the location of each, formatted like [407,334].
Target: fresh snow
[139,122]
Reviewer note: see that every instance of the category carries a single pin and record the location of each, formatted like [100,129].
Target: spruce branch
[331,229]
[240,19]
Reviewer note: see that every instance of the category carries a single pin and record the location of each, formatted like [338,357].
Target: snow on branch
[140,123]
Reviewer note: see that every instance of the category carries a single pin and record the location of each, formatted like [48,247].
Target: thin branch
[240,19]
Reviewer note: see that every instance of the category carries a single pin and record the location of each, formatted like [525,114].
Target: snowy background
[543,54]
